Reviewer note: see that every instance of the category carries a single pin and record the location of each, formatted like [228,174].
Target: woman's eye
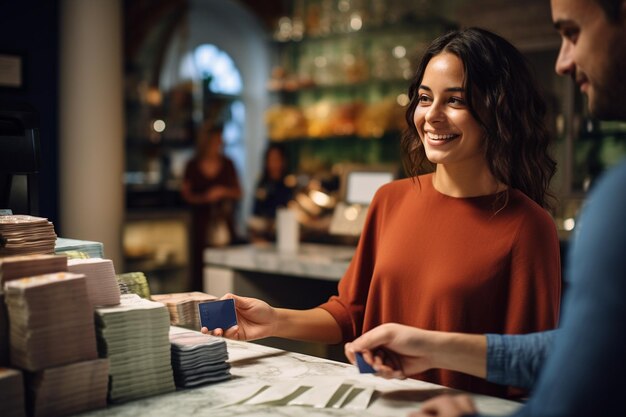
[457,101]
[423,99]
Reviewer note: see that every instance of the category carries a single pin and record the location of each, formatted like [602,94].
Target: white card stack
[12,267]
[102,285]
[197,358]
[135,337]
[11,393]
[50,321]
[22,234]
[183,307]
[68,389]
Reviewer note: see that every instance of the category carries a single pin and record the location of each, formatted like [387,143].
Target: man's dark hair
[612,9]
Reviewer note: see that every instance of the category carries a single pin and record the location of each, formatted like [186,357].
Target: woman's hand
[447,406]
[255,320]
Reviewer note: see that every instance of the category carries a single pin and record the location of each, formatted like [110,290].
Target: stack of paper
[92,249]
[99,273]
[12,267]
[4,332]
[11,393]
[134,283]
[135,337]
[198,358]
[183,307]
[68,389]
[50,320]
[21,235]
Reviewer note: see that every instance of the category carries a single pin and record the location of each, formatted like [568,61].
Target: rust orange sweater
[452,264]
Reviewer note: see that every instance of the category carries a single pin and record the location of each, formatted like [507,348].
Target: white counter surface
[256,366]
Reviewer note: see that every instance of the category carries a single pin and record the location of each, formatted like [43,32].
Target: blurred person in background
[274,190]
[211,187]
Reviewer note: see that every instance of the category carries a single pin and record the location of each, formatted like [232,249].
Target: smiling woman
[465,249]
[475,84]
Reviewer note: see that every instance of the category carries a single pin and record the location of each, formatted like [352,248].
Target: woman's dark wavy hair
[502,96]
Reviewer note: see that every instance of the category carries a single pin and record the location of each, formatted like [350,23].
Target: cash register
[358,185]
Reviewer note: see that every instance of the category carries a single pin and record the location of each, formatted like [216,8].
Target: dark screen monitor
[19,158]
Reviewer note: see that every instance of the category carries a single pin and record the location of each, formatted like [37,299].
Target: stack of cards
[183,307]
[134,283]
[68,389]
[50,320]
[99,273]
[92,249]
[13,267]
[135,337]
[23,235]
[11,393]
[4,332]
[197,358]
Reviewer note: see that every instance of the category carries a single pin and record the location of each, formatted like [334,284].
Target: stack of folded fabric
[52,336]
[134,283]
[11,393]
[22,234]
[183,307]
[197,358]
[12,267]
[50,321]
[91,249]
[102,285]
[134,336]
[68,389]
[4,332]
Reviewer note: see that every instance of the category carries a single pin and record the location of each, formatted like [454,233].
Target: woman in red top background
[211,187]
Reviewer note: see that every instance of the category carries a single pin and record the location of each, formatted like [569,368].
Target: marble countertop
[325,262]
[255,366]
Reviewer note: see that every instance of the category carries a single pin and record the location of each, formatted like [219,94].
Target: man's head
[593,51]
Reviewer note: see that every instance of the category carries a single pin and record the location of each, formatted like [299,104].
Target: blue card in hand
[364,367]
[219,314]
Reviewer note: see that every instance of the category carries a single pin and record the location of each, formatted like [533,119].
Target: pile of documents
[134,283]
[197,358]
[50,320]
[4,332]
[68,389]
[92,249]
[22,234]
[183,307]
[102,287]
[11,393]
[12,267]
[134,336]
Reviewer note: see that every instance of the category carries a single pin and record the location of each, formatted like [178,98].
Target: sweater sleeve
[584,375]
[517,360]
[348,306]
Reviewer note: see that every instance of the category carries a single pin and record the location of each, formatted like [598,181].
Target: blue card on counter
[219,314]
[364,367]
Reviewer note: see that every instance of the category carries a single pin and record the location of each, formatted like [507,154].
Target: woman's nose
[435,113]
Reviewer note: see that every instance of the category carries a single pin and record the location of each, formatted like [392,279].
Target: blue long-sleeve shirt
[584,373]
